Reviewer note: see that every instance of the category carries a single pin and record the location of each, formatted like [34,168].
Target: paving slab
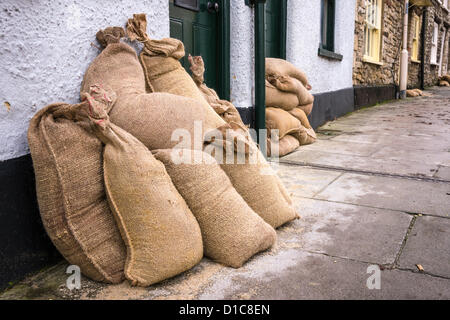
[304,181]
[302,275]
[329,159]
[347,231]
[415,196]
[428,245]
[443,173]
[339,147]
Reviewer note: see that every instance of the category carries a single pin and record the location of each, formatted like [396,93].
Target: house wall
[370,74]
[46,47]
[242,54]
[436,13]
[387,74]
[303,38]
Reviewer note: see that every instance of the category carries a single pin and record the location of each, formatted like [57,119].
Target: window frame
[415,40]
[327,22]
[373,31]
[327,47]
[434,44]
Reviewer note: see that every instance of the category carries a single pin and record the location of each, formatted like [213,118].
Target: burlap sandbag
[225,109]
[292,85]
[285,146]
[307,108]
[232,232]
[412,93]
[162,236]
[255,180]
[444,83]
[160,60]
[446,78]
[301,115]
[283,121]
[280,99]
[67,160]
[281,67]
[152,118]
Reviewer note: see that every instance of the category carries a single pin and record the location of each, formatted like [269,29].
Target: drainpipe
[424,40]
[405,54]
[260,73]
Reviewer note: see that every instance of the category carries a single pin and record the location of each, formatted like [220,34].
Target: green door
[197,26]
[276,29]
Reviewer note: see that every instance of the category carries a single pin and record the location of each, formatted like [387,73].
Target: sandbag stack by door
[288,98]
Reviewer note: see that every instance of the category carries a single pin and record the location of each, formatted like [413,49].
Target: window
[327,28]
[415,41]
[326,48]
[434,44]
[372,30]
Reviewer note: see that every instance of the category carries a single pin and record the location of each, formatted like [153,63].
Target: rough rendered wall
[46,47]
[303,38]
[242,54]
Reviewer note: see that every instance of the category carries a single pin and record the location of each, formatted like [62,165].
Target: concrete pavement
[373,190]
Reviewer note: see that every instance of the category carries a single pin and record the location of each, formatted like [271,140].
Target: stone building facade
[384,74]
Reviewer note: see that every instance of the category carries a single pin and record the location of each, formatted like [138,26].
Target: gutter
[260,72]
[424,40]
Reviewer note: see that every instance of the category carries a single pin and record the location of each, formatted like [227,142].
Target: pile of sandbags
[444,81]
[113,195]
[416,93]
[288,102]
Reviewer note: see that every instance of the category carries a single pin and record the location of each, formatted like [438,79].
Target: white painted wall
[303,38]
[45,50]
[46,47]
[242,54]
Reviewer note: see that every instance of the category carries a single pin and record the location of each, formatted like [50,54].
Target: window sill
[368,60]
[434,64]
[416,61]
[330,54]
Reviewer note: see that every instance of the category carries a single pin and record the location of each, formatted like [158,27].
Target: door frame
[224,50]
[283,29]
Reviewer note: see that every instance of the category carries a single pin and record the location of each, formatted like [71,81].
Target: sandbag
[301,115]
[279,99]
[257,183]
[305,136]
[307,108]
[152,118]
[444,83]
[285,146]
[161,235]
[67,160]
[292,85]
[160,60]
[412,93]
[232,232]
[283,121]
[446,78]
[225,109]
[281,67]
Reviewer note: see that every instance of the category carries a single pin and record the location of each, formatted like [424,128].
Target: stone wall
[366,73]
[387,72]
[438,14]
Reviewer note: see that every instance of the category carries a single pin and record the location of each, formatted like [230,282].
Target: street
[373,193]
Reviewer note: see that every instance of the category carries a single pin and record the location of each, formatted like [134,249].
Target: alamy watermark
[74,280]
[374,280]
